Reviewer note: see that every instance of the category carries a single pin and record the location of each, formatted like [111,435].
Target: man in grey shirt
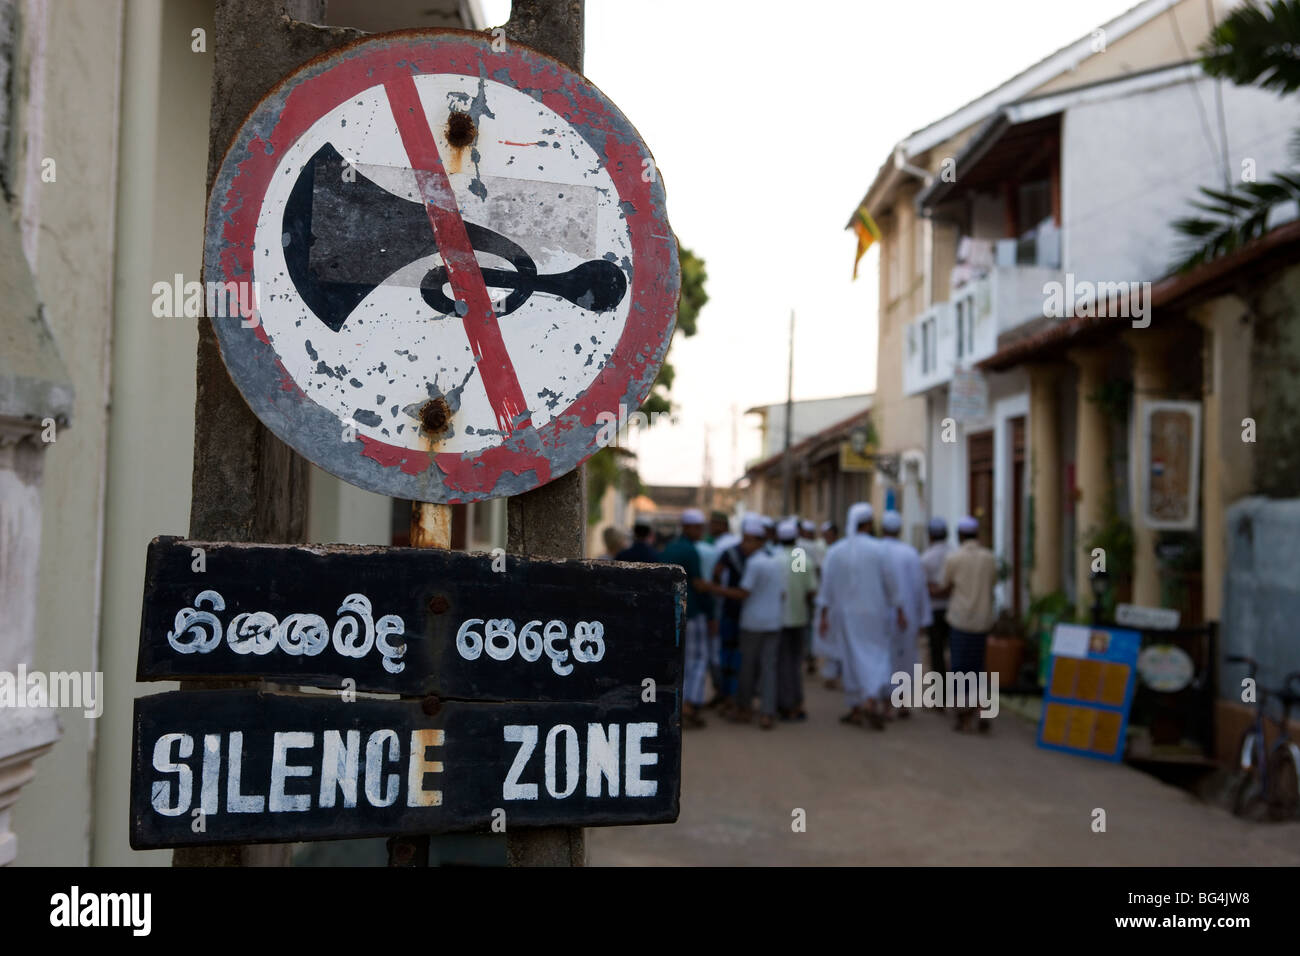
[762,591]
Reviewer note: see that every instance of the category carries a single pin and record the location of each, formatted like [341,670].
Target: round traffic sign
[457,263]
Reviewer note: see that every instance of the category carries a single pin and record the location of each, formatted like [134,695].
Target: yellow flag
[867,231]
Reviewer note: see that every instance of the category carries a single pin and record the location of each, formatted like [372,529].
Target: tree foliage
[608,466]
[1258,44]
[693,297]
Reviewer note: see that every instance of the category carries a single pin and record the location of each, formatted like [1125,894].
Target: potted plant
[1040,618]
[1005,650]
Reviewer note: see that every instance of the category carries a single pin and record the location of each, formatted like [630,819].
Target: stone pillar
[1227,462]
[1151,350]
[1045,576]
[35,406]
[1091,466]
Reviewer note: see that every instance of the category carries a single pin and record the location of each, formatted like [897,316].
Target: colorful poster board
[1090,685]
[1171,440]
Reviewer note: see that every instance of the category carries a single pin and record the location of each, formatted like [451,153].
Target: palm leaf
[1257,44]
[1232,220]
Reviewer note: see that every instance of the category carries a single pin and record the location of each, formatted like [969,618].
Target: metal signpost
[448,268]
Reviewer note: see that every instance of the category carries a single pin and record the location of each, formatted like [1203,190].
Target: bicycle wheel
[1284,781]
[1248,795]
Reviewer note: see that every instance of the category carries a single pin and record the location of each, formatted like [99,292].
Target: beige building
[829,470]
[1215,467]
[969,238]
[104,175]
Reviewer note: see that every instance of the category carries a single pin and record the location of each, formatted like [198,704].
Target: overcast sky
[768,122]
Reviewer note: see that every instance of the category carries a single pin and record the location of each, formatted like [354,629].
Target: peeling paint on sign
[428,220]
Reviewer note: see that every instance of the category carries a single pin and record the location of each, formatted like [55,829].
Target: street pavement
[920,794]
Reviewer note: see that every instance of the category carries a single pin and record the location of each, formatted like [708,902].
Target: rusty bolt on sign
[438,604]
[460,129]
[435,416]
[431,705]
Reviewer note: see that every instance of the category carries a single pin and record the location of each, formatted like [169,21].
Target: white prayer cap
[938,527]
[891,522]
[858,513]
[808,527]
[692,516]
[827,525]
[752,524]
[787,530]
[767,522]
[968,525]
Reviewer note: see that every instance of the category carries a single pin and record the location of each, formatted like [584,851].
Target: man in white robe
[916,596]
[828,645]
[862,598]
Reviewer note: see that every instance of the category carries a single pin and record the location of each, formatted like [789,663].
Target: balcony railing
[965,329]
[927,349]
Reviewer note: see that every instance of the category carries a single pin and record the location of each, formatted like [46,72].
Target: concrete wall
[810,417]
[1262,590]
[67,111]
[1118,201]
[899,421]
[339,513]
[162,194]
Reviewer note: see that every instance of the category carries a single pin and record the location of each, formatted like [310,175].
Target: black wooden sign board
[240,766]
[411,621]
[538,693]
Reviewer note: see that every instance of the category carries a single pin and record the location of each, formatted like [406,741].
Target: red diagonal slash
[494,365]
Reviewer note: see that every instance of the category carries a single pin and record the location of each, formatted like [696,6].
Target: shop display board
[1090,682]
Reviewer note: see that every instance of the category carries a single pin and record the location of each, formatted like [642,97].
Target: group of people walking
[765,604]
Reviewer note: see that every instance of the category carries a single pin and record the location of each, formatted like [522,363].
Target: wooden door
[979,448]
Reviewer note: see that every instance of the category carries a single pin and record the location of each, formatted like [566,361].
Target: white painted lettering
[633,785]
[526,736]
[338,767]
[381,790]
[278,801]
[570,761]
[602,759]
[237,802]
[162,762]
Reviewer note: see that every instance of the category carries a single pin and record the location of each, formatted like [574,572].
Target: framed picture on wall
[1170,461]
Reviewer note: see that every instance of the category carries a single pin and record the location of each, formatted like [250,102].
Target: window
[961,329]
[1033,204]
[929,350]
[965,310]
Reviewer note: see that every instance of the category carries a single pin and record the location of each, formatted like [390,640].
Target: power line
[1200,107]
[1218,99]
